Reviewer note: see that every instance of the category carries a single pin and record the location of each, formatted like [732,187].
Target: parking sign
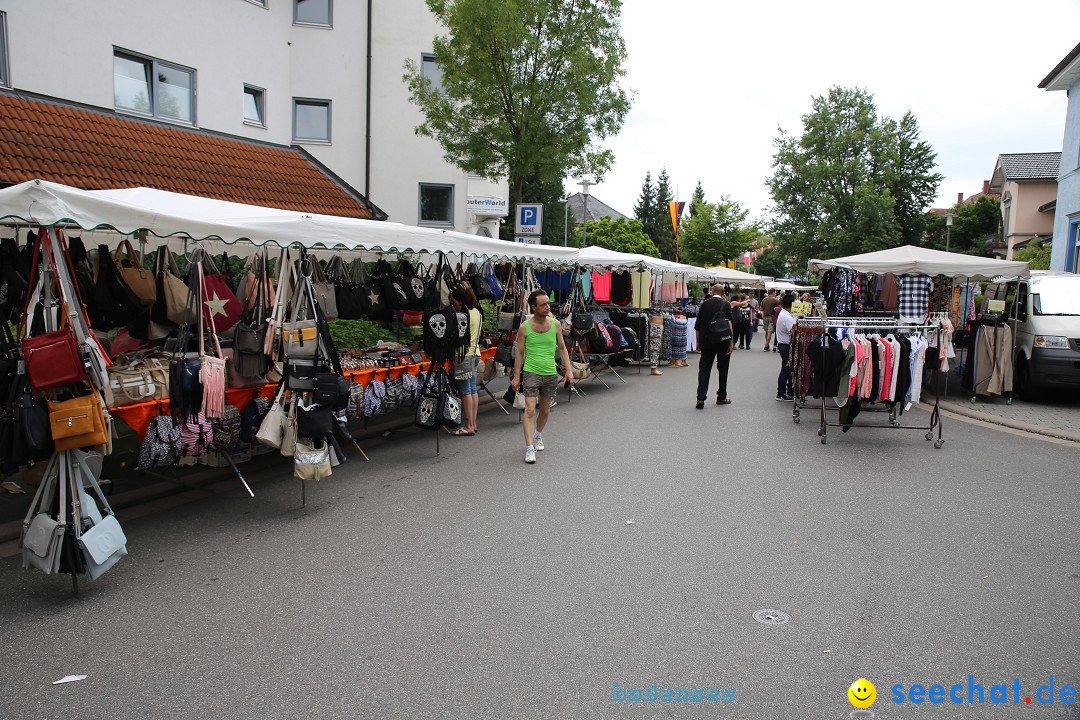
[529,219]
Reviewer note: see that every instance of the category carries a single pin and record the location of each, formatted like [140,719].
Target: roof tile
[96,150]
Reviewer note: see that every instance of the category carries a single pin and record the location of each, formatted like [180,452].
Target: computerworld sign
[485,205]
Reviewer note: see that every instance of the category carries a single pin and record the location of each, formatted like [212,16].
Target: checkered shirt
[914,296]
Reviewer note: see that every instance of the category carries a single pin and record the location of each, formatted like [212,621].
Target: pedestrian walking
[464,300]
[535,374]
[739,318]
[754,312]
[784,323]
[716,340]
[767,318]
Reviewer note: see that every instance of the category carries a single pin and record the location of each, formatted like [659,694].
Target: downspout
[367,119]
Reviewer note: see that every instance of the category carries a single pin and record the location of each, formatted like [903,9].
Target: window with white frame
[311,120]
[153,87]
[313,12]
[254,105]
[5,79]
[431,70]
[436,204]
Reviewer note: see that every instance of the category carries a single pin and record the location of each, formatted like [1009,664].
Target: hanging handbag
[301,337]
[494,286]
[426,405]
[288,436]
[14,281]
[196,434]
[372,302]
[323,290]
[114,304]
[311,462]
[478,283]
[211,367]
[226,430]
[32,439]
[53,359]
[78,422]
[313,421]
[105,542]
[42,534]
[219,302]
[347,294]
[272,428]
[172,291]
[141,281]
[397,291]
[448,409]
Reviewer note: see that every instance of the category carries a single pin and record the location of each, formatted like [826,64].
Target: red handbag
[53,359]
[218,300]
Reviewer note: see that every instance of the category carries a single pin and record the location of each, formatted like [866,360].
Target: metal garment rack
[881,325]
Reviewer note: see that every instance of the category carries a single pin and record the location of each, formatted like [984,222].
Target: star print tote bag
[219,301]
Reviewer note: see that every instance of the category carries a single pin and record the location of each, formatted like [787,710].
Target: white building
[281,72]
[1064,254]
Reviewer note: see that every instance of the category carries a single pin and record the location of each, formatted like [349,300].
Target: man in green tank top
[535,374]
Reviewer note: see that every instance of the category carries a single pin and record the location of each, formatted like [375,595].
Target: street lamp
[585,185]
[948,229]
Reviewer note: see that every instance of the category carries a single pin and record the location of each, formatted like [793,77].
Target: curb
[961,409]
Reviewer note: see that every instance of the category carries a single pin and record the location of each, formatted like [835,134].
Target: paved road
[470,585]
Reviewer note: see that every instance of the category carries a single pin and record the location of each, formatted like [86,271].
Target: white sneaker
[530,455]
[538,443]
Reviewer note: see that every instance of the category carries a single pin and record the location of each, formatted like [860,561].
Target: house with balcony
[1064,255]
[1027,184]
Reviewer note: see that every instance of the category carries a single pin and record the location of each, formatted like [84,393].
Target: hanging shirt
[601,286]
[890,292]
[640,285]
[914,297]
[620,287]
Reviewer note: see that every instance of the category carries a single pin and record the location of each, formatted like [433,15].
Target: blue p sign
[529,219]
[528,216]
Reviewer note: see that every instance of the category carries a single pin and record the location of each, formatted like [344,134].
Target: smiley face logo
[862,693]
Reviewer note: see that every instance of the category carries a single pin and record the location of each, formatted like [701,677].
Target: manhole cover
[771,617]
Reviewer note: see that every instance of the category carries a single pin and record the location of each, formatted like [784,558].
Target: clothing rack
[880,326]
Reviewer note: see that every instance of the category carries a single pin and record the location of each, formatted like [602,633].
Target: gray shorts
[770,326]
[533,385]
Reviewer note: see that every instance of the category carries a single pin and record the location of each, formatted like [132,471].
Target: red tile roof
[97,150]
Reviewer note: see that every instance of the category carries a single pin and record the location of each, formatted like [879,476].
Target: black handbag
[370,292]
[314,421]
[346,292]
[427,403]
[14,283]
[478,283]
[397,293]
[114,304]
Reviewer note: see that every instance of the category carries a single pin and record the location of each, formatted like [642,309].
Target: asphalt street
[635,551]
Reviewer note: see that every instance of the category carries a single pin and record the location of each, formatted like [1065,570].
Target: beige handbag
[139,279]
[176,290]
[139,381]
[288,436]
[312,462]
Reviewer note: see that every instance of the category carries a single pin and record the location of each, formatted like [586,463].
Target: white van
[1047,329]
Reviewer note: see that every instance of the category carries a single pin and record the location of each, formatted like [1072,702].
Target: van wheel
[1022,381]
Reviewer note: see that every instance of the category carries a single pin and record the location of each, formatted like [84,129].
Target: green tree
[645,209]
[975,225]
[1037,255]
[771,263]
[718,232]
[662,233]
[852,182]
[528,87]
[621,235]
[697,199]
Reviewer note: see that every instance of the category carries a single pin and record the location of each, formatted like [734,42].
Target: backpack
[161,444]
[602,343]
[373,397]
[719,327]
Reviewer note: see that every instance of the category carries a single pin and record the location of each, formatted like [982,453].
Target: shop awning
[911,259]
[173,215]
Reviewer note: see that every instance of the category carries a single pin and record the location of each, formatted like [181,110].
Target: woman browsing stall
[464,300]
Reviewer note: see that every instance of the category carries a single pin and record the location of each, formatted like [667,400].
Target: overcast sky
[713,80]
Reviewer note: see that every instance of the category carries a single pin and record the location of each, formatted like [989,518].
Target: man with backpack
[715,341]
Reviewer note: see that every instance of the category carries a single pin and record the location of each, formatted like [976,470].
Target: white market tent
[785,285]
[735,277]
[173,215]
[911,259]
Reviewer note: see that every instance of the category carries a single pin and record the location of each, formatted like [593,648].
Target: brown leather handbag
[79,422]
[141,281]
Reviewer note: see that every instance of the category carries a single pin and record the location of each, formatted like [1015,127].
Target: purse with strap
[105,542]
[212,367]
[323,289]
[78,422]
[42,534]
[141,281]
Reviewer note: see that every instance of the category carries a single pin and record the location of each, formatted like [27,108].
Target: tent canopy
[734,277]
[785,285]
[911,259]
[165,215]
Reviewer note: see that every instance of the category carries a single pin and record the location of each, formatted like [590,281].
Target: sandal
[459,433]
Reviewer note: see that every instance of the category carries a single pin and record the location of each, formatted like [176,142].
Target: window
[432,71]
[436,204]
[311,120]
[4,79]
[153,87]
[254,105]
[314,12]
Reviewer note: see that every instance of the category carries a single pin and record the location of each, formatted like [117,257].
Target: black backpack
[719,327]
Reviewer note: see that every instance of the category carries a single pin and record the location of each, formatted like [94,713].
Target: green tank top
[539,350]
